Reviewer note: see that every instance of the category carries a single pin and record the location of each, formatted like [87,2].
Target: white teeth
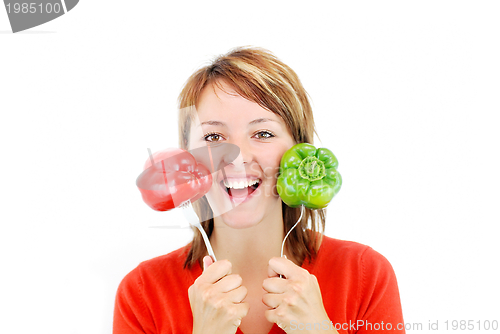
[239,184]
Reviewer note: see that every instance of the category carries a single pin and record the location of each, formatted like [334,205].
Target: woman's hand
[215,299]
[295,300]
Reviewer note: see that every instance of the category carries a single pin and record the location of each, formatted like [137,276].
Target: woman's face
[244,192]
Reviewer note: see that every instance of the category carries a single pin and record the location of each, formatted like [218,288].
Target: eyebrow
[215,123]
[255,121]
[262,120]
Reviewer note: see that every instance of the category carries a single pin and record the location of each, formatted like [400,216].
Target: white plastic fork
[286,236]
[193,220]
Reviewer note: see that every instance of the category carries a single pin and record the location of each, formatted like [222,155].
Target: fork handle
[207,242]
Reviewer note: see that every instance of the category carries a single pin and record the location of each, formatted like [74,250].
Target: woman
[251,99]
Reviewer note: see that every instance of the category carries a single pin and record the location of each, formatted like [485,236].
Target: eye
[264,135]
[212,137]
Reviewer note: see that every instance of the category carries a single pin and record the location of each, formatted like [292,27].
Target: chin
[239,220]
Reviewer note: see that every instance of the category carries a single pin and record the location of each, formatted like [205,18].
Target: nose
[246,154]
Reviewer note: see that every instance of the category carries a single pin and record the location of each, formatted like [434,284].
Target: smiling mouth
[240,188]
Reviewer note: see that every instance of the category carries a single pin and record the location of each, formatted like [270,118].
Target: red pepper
[175,178]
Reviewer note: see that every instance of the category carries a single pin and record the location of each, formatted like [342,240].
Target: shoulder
[352,257]
[167,268]
[154,293]
[361,277]
[357,278]
[169,262]
[344,250]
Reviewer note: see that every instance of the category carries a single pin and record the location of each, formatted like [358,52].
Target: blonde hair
[257,75]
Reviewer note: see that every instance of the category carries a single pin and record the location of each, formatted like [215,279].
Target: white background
[405,94]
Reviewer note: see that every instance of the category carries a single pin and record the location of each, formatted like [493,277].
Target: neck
[249,249]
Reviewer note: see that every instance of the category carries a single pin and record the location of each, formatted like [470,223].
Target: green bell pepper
[308,176]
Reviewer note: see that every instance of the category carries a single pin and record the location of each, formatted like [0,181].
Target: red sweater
[358,285]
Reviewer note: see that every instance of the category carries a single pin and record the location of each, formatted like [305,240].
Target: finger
[216,271]
[275,285]
[281,266]
[207,261]
[275,316]
[228,283]
[242,310]
[271,271]
[237,295]
[272,300]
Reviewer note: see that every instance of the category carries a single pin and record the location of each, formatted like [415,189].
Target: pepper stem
[312,169]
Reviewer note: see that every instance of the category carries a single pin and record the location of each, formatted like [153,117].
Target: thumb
[207,261]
